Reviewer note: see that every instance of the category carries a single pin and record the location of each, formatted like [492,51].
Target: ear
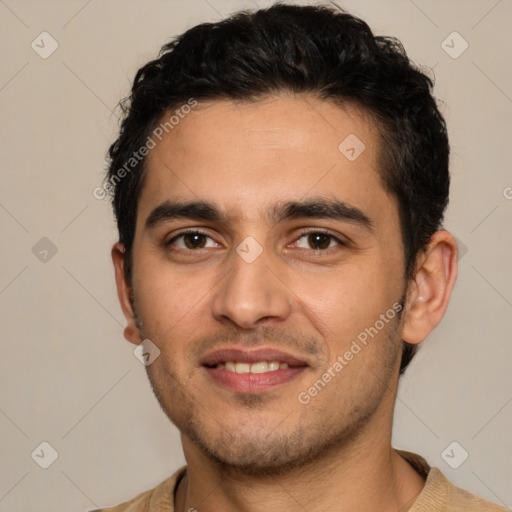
[131,331]
[430,290]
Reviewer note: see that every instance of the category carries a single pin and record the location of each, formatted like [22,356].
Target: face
[268,269]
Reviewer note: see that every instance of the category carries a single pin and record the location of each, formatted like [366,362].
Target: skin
[267,451]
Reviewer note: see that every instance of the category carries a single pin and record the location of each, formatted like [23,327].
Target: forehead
[247,156]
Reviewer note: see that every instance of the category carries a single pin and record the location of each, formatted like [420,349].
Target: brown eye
[317,240]
[192,240]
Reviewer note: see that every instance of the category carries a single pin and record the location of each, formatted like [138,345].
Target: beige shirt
[438,495]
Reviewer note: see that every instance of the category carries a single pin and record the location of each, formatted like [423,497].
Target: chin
[267,453]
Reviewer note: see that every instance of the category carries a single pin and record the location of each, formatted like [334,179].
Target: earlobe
[430,291]
[131,331]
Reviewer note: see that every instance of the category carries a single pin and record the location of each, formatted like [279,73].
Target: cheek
[170,300]
[343,303]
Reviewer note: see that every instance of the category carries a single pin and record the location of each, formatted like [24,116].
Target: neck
[365,474]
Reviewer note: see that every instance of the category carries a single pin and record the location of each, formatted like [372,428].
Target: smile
[258,367]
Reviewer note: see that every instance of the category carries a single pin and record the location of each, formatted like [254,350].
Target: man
[279,185]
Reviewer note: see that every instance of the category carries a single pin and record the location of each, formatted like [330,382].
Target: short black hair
[318,50]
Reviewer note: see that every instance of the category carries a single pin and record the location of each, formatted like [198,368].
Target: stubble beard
[273,451]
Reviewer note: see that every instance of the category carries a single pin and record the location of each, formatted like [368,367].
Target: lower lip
[253,382]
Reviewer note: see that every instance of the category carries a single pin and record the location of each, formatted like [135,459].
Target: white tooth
[259,367]
[243,368]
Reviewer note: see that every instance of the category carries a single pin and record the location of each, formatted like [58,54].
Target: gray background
[68,377]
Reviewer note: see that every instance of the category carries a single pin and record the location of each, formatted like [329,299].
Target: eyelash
[191,231]
[194,231]
[340,243]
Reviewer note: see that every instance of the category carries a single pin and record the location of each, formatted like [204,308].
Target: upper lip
[250,356]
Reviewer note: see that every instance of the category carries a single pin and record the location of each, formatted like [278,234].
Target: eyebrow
[172,210]
[314,208]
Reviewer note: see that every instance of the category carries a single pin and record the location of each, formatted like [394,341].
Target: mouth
[258,367]
[253,371]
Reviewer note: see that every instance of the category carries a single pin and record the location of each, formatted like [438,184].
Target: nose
[251,293]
